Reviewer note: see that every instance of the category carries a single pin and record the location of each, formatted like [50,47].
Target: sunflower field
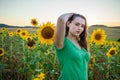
[31,56]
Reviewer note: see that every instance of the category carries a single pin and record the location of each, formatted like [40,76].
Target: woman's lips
[77,33]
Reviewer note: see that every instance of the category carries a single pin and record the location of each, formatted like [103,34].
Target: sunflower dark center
[3,29]
[31,43]
[28,39]
[1,51]
[34,22]
[23,34]
[97,36]
[112,52]
[18,31]
[47,32]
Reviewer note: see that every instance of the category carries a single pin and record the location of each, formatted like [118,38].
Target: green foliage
[102,67]
[21,63]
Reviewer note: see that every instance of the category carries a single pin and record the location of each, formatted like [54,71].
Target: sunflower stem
[11,50]
[23,52]
[108,66]
[2,41]
[118,62]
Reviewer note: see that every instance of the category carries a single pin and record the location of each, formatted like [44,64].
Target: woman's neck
[71,37]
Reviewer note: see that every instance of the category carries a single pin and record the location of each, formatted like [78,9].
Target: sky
[20,12]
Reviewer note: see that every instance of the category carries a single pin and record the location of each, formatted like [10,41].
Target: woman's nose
[79,27]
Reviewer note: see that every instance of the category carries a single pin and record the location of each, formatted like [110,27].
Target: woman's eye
[82,26]
[77,24]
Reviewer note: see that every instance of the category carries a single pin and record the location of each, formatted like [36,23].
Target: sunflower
[98,36]
[34,35]
[93,59]
[24,34]
[29,37]
[47,52]
[3,29]
[34,22]
[11,34]
[111,52]
[36,79]
[41,76]
[18,31]
[31,44]
[1,51]
[46,33]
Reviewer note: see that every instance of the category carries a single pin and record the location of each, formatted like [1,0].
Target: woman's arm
[60,30]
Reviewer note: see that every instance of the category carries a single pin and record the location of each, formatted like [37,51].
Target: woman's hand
[65,17]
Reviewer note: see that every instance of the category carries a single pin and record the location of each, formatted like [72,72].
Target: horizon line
[88,25]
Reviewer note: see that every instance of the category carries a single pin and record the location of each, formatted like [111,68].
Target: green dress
[73,62]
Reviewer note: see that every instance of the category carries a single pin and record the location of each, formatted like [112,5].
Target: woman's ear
[68,23]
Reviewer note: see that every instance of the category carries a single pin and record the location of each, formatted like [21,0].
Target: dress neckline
[73,44]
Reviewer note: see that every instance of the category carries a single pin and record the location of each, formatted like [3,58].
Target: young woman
[71,47]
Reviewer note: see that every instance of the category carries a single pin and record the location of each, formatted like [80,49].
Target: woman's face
[76,27]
